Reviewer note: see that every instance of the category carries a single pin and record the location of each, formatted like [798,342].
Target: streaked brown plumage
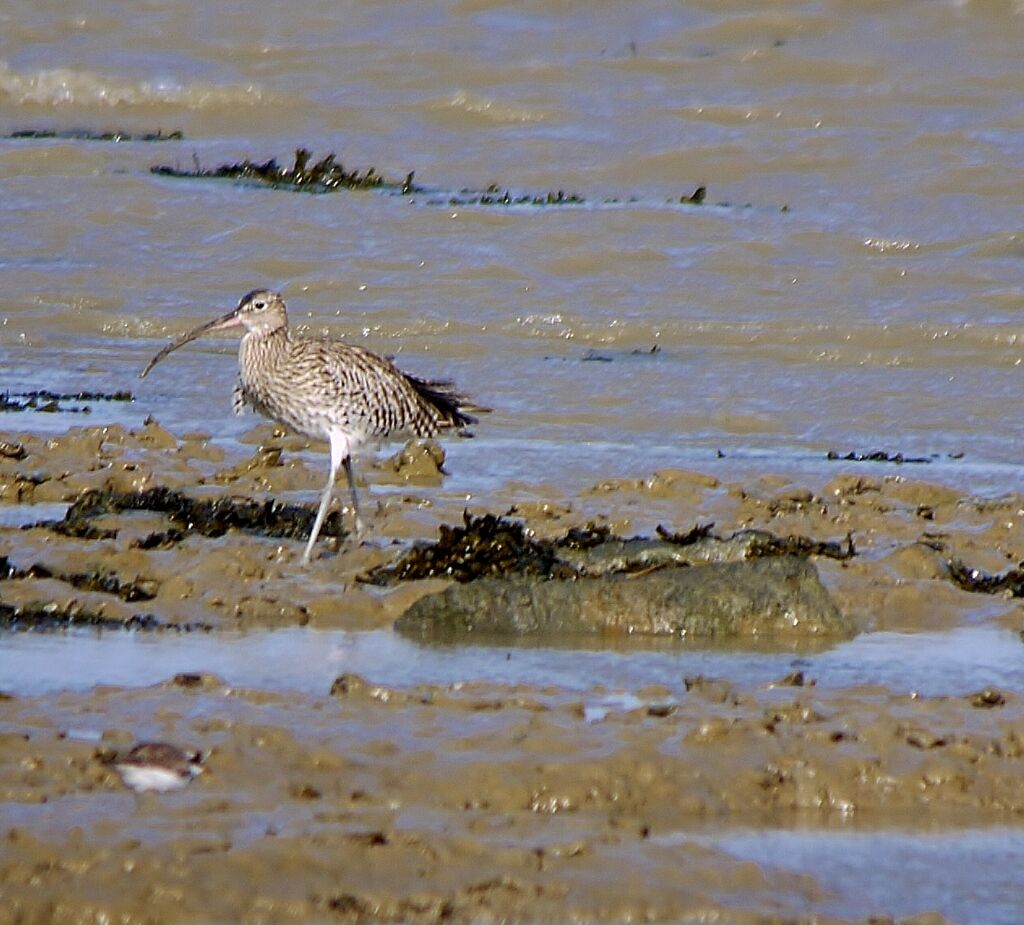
[327,390]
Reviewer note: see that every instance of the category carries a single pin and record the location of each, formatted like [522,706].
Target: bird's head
[261,311]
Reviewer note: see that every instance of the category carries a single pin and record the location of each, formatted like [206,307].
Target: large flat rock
[777,596]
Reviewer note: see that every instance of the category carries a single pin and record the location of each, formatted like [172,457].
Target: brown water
[854,282]
[880,310]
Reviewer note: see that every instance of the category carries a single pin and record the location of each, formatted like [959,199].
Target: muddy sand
[470,801]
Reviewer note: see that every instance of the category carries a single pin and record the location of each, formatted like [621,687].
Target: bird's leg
[339,452]
[347,463]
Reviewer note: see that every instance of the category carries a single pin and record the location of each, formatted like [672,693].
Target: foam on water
[70,87]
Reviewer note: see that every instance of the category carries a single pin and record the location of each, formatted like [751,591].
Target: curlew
[327,390]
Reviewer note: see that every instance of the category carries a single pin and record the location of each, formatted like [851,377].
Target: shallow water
[954,663]
[858,869]
[880,311]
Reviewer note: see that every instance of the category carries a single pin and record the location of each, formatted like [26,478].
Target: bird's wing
[238,398]
[361,385]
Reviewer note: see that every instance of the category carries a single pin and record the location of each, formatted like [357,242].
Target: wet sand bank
[358,797]
[905,532]
[471,803]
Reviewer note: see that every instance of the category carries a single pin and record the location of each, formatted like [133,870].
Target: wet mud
[472,803]
[370,802]
[200,538]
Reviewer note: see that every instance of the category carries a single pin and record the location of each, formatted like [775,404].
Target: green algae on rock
[777,597]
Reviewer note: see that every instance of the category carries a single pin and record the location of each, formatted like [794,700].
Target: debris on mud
[208,518]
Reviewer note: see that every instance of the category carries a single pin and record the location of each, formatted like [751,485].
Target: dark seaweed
[129,591]
[162,539]
[492,546]
[329,175]
[697,533]
[803,546]
[584,537]
[881,456]
[90,135]
[208,518]
[50,402]
[42,616]
[979,582]
[142,589]
[483,546]
[324,176]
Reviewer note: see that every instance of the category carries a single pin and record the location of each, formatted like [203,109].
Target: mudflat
[470,800]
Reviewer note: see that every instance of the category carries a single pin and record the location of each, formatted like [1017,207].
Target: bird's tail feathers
[453,407]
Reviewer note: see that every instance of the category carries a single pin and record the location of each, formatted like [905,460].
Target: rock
[779,596]
[419,461]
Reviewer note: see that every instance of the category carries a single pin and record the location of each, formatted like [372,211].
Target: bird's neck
[260,352]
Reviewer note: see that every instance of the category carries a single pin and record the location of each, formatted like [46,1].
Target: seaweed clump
[495,195]
[323,176]
[486,546]
[693,535]
[802,547]
[141,589]
[54,616]
[898,459]
[979,582]
[50,615]
[329,175]
[208,518]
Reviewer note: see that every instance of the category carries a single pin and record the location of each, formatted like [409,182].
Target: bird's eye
[259,306]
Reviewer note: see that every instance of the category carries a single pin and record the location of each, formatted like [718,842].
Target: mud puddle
[856,869]
[950,663]
[20,515]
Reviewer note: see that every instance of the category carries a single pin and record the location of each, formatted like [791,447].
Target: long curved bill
[230,320]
